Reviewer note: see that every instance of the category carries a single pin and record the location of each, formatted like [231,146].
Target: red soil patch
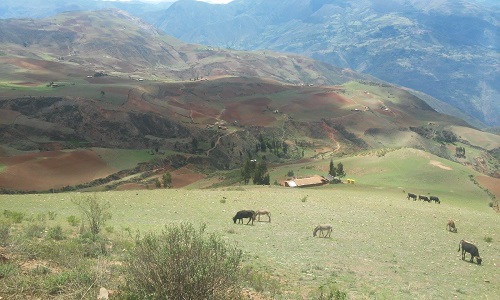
[184,176]
[491,183]
[53,169]
[249,112]
[332,98]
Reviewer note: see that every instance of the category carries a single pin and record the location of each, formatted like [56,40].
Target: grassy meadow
[383,246]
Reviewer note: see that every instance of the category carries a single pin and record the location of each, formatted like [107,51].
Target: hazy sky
[156,1]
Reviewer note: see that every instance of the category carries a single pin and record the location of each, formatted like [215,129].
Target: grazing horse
[250,214]
[322,228]
[469,248]
[262,212]
[422,197]
[411,196]
[451,226]
[435,199]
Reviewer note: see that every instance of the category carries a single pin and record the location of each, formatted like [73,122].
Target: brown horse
[451,226]
[262,212]
[322,228]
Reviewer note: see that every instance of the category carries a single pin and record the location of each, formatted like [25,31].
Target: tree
[267,179]
[332,170]
[262,143]
[167,180]
[95,211]
[246,172]
[460,152]
[259,176]
[284,147]
[340,170]
[157,183]
[194,144]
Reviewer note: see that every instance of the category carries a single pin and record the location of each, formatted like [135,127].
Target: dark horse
[250,214]
[470,248]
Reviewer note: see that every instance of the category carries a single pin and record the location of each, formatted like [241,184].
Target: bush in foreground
[183,263]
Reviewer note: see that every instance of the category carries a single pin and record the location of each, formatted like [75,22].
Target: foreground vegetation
[382,245]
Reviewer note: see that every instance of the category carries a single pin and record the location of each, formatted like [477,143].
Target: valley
[103,104]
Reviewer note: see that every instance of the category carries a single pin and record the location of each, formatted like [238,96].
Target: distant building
[306,182]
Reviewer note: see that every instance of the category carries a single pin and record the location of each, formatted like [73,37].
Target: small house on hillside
[306,182]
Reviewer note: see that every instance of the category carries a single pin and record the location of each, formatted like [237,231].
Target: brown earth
[53,169]
[184,176]
[490,183]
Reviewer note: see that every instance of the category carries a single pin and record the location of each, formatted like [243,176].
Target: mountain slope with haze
[447,49]
[107,80]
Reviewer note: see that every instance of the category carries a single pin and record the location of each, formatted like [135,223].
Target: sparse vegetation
[183,263]
[95,210]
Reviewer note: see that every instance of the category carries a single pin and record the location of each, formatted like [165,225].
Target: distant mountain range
[447,49]
[106,79]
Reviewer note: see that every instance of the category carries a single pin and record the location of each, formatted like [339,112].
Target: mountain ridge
[445,49]
[110,81]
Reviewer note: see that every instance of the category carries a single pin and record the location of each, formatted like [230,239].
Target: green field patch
[2,167]
[407,170]
[122,159]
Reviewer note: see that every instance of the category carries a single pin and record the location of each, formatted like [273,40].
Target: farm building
[306,182]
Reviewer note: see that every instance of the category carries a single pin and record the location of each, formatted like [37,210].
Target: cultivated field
[383,246]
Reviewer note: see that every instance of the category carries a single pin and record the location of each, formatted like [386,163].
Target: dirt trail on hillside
[331,135]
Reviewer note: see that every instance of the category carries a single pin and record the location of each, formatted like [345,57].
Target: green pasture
[122,159]
[382,246]
[407,170]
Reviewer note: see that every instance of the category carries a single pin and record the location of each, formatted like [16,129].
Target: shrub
[95,210]
[7,270]
[73,221]
[16,217]
[183,263]
[41,217]
[56,233]
[52,215]
[488,239]
[34,230]
[4,231]
[78,279]
[109,229]
[261,282]
[328,292]
[304,199]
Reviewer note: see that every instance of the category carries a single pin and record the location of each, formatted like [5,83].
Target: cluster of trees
[166,179]
[440,136]
[460,152]
[277,147]
[336,171]
[257,171]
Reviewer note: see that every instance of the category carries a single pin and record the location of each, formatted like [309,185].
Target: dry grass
[382,245]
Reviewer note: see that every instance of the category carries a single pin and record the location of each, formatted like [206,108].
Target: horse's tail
[459,245]
[315,230]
